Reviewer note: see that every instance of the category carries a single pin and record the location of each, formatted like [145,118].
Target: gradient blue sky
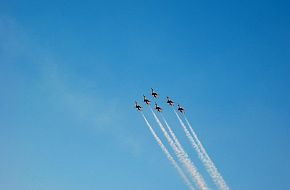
[70,71]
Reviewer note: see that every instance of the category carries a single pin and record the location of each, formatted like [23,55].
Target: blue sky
[71,70]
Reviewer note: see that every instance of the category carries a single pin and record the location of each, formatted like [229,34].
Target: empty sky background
[71,70]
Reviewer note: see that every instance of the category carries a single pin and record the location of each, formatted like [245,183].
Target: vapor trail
[220,182]
[214,175]
[174,137]
[176,141]
[168,155]
[198,179]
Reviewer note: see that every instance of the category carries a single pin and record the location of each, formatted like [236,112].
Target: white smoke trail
[201,155]
[168,155]
[175,138]
[214,172]
[172,134]
[198,179]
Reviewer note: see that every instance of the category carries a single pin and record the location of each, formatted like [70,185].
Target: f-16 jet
[154,94]
[169,101]
[146,100]
[159,109]
[138,107]
[180,109]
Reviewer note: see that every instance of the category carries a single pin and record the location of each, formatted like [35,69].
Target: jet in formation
[159,109]
[180,109]
[138,107]
[153,93]
[170,102]
[146,100]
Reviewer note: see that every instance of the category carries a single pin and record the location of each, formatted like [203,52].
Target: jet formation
[138,107]
[155,95]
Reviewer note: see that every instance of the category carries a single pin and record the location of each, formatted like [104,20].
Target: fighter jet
[138,107]
[180,109]
[146,100]
[159,109]
[154,94]
[170,102]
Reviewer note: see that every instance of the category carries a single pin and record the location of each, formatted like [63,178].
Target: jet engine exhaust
[198,179]
[168,155]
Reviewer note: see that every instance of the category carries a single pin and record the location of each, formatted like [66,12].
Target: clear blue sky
[71,70]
